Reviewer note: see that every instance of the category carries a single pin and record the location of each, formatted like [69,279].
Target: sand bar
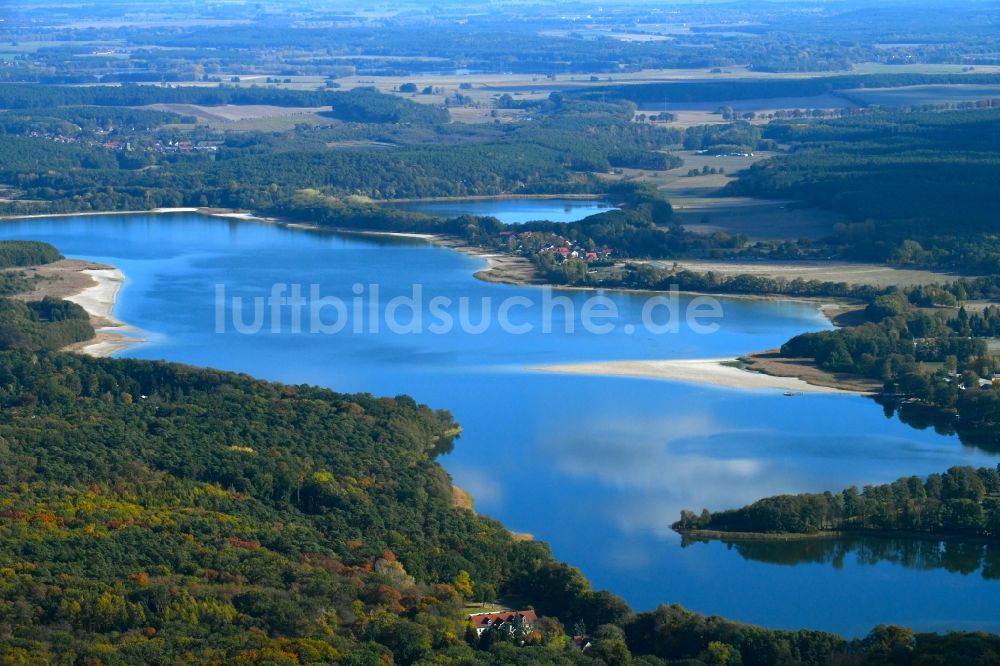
[710,371]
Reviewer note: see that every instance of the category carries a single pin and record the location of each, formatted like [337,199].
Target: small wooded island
[962,503]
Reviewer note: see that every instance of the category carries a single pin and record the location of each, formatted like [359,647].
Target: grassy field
[757,219]
[918,68]
[917,95]
[768,105]
[700,210]
[247,117]
[825,271]
[485,88]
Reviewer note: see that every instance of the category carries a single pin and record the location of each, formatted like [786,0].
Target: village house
[508,621]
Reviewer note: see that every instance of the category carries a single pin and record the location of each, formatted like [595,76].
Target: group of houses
[102,139]
[564,252]
[557,246]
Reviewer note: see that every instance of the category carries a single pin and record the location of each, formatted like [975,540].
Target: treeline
[368,105]
[69,121]
[889,348]
[358,105]
[740,89]
[733,137]
[29,96]
[648,276]
[27,253]
[42,325]
[961,502]
[919,188]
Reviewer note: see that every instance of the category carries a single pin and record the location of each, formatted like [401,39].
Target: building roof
[484,619]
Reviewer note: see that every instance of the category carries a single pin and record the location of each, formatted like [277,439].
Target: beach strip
[721,372]
[99,302]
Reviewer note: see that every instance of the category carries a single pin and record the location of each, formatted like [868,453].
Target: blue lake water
[513,211]
[597,466]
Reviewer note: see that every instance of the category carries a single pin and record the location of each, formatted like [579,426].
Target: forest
[28,96]
[27,253]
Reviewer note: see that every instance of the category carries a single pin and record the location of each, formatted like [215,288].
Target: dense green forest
[27,253]
[359,104]
[43,325]
[27,96]
[963,502]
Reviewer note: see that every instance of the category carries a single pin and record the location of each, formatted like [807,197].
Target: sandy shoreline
[99,301]
[575,196]
[94,287]
[721,372]
[154,211]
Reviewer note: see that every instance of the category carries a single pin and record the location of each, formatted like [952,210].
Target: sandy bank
[154,211]
[722,372]
[576,196]
[772,363]
[98,300]
[94,288]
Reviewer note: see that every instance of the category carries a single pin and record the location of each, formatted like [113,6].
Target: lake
[512,211]
[597,466]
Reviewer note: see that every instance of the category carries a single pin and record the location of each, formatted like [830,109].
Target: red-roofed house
[508,621]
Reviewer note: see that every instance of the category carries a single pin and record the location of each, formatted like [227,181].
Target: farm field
[917,95]
[824,271]
[247,116]
[698,208]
